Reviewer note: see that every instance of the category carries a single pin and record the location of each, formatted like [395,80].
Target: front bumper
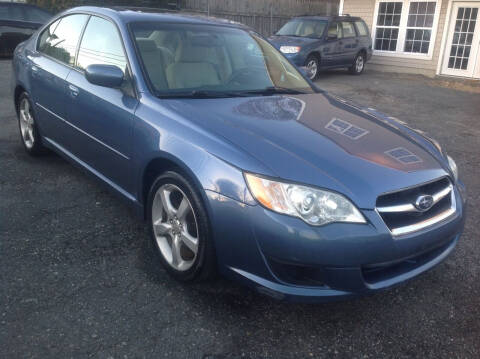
[298,59]
[285,258]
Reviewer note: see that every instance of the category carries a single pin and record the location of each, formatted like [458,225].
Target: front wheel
[313,67]
[358,64]
[180,228]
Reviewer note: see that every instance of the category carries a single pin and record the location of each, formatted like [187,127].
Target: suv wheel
[358,65]
[28,129]
[313,65]
[180,229]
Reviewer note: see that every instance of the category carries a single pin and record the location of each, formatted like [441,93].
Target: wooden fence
[266,16]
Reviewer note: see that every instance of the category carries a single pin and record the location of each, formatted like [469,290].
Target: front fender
[159,138]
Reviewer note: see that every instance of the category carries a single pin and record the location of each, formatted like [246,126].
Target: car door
[103,116]
[350,44]
[332,51]
[49,67]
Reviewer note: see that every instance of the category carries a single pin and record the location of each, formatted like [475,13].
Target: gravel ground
[78,278]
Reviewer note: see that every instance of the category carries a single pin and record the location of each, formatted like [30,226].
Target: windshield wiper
[195,94]
[275,90]
[201,94]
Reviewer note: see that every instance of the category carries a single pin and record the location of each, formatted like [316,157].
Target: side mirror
[332,37]
[104,75]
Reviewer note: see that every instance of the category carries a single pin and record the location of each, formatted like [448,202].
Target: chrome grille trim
[407,207]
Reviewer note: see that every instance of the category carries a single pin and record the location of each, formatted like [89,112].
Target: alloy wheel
[175,227]
[312,68]
[26,124]
[359,64]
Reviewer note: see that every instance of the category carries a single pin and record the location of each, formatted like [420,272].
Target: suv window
[101,45]
[361,28]
[60,39]
[348,29]
[33,14]
[304,28]
[335,30]
[11,12]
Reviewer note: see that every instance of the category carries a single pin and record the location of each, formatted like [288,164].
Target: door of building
[462,55]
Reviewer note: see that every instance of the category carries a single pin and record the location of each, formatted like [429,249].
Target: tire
[175,231]
[313,65]
[29,134]
[358,64]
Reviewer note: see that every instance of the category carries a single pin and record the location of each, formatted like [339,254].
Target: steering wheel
[244,75]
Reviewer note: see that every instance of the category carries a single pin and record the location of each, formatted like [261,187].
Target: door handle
[35,70]
[73,90]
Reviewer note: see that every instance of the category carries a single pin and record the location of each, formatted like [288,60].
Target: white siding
[365,9]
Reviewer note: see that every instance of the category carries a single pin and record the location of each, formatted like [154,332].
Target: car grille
[402,215]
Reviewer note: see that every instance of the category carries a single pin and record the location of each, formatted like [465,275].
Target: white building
[434,37]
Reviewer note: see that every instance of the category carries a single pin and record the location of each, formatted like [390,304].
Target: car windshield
[303,28]
[213,61]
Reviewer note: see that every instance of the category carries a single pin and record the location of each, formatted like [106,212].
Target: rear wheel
[28,128]
[180,228]
[358,65]
[313,66]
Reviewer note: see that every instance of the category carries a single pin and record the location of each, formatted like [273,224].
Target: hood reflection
[357,132]
[272,108]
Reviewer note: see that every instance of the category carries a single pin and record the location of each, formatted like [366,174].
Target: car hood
[319,140]
[278,41]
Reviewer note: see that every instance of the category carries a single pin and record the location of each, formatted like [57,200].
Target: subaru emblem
[424,203]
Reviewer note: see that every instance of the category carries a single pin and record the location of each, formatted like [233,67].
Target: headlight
[290,49]
[316,207]
[453,167]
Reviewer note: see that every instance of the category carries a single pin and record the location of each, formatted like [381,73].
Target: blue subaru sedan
[236,161]
[325,42]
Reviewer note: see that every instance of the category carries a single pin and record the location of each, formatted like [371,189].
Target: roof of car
[132,14]
[331,17]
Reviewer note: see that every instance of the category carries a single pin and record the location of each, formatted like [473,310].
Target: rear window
[348,29]
[11,12]
[59,40]
[362,28]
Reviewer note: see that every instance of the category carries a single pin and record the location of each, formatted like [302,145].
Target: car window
[33,14]
[101,45]
[11,12]
[60,39]
[361,28]
[303,28]
[348,29]
[178,59]
[335,30]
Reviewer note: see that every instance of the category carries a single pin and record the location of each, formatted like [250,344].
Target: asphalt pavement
[78,277]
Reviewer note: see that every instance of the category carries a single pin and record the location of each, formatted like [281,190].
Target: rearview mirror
[332,37]
[104,75]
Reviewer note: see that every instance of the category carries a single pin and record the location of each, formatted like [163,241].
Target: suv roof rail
[169,8]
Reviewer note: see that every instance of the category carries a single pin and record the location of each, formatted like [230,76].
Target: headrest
[197,48]
[147,45]
[308,30]
[189,53]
